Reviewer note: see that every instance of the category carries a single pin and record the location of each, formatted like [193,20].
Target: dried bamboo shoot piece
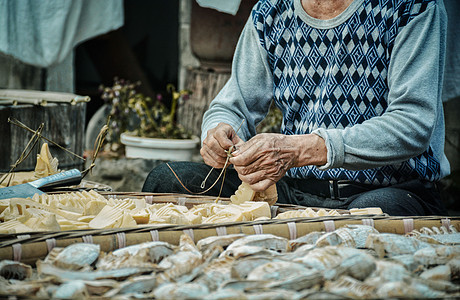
[108,217]
[231,214]
[291,214]
[243,193]
[176,214]
[72,225]
[141,216]
[94,207]
[121,203]
[322,212]
[270,195]
[13,226]
[127,221]
[45,223]
[366,211]
[4,204]
[86,219]
[253,210]
[310,212]
[194,218]
[46,164]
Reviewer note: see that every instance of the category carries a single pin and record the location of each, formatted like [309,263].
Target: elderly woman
[359,85]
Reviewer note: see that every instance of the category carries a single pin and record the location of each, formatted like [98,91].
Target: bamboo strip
[382,223]
[35,247]
[37,97]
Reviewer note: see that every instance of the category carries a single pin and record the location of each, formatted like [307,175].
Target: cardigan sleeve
[248,93]
[414,116]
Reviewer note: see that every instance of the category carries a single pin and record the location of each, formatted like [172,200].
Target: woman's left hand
[265,158]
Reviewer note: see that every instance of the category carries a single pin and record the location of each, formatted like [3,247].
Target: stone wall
[123,174]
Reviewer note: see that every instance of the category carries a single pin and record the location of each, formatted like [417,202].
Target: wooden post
[205,85]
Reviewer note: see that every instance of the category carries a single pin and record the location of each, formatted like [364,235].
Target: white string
[155,235]
[203,184]
[17,248]
[292,230]
[149,199]
[50,243]
[17,252]
[88,239]
[368,222]
[258,229]
[221,230]
[121,237]
[408,225]
[329,225]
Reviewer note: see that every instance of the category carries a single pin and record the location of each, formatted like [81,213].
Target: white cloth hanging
[226,6]
[43,33]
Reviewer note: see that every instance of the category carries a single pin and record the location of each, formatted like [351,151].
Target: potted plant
[144,126]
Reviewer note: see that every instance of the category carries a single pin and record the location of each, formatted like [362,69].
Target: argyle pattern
[335,78]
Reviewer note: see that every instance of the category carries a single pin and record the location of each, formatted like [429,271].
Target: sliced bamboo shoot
[108,217]
[243,193]
[270,195]
[253,210]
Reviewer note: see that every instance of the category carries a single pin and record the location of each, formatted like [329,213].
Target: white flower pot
[159,149]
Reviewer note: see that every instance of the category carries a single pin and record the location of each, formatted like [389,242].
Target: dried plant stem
[97,147]
[19,124]
[37,136]
[25,153]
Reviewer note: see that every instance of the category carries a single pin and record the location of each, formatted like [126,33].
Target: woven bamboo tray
[28,247]
[152,198]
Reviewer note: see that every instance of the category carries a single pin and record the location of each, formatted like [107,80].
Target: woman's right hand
[216,143]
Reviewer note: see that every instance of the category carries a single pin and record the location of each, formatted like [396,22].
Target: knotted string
[222,172]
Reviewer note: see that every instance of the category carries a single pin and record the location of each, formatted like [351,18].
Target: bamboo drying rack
[28,247]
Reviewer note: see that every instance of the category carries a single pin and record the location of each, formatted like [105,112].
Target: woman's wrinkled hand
[264,159]
[217,142]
